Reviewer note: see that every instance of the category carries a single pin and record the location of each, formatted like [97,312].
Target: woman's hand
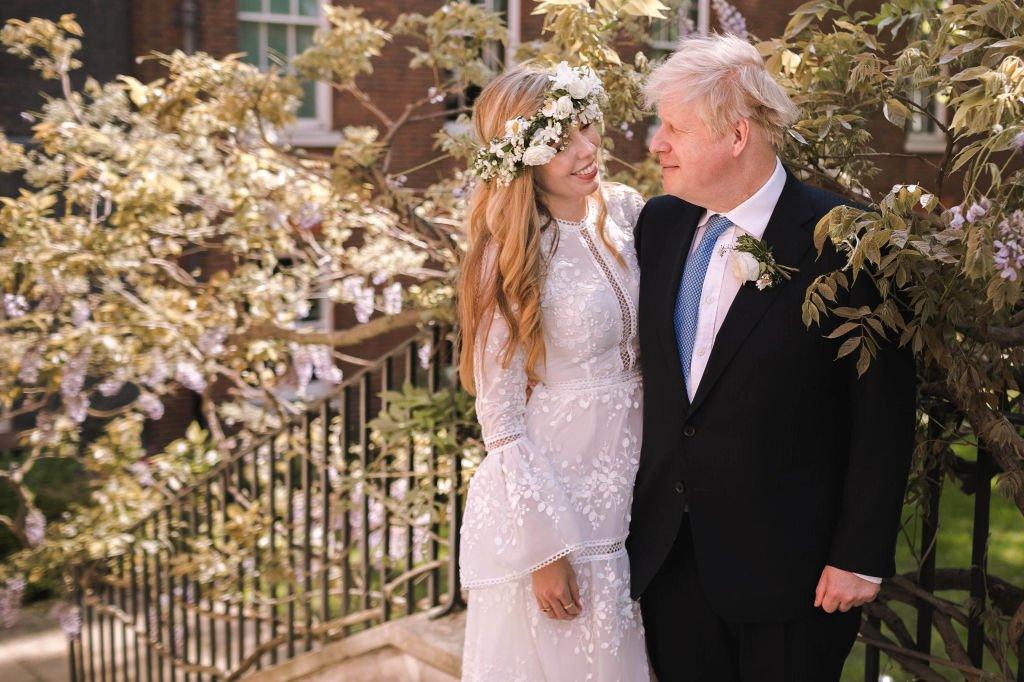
[555,589]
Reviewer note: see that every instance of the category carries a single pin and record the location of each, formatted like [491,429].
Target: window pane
[250,5]
[308,107]
[303,38]
[249,41]
[281,6]
[309,8]
[277,44]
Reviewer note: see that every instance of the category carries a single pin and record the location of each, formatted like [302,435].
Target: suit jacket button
[688,430]
[680,487]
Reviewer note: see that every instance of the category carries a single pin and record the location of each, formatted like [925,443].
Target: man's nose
[657,145]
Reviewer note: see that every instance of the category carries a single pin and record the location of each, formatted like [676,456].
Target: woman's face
[573,172]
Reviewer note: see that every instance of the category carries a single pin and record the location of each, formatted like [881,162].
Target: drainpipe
[515,26]
[704,17]
[189,26]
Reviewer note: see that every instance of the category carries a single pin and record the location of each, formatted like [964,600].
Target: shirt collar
[752,215]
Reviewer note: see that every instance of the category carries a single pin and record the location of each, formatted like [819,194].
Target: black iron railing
[291,544]
[286,546]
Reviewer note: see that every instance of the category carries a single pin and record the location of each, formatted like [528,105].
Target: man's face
[693,159]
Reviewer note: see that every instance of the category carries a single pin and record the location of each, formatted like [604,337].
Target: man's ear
[740,133]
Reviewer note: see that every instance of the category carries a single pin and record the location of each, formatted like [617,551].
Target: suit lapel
[673,258]
[789,241]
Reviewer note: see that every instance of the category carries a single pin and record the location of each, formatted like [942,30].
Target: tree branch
[341,338]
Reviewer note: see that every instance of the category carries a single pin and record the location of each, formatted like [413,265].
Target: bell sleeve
[519,515]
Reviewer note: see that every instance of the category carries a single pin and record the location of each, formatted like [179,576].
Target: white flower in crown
[538,155]
[515,128]
[564,75]
[574,99]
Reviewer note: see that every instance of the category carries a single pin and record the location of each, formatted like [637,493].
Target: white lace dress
[558,476]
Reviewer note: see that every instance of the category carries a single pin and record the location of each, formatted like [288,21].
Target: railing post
[929,534]
[979,558]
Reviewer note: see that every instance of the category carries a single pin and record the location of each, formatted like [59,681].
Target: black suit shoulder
[822,201]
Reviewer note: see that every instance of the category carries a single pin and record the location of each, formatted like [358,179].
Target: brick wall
[118,30]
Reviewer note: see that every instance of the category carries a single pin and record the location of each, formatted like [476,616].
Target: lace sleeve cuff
[500,441]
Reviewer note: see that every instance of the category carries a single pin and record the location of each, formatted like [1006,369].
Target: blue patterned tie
[688,299]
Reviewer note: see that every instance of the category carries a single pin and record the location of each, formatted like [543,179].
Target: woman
[547,305]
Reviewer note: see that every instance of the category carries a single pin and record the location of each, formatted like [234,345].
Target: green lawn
[956,518]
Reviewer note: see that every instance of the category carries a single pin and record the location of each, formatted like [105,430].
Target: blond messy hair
[727,76]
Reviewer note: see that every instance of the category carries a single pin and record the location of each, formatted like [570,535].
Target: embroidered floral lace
[558,476]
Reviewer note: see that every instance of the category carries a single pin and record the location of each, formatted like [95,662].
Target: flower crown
[575,97]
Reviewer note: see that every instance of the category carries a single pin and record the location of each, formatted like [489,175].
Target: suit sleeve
[882,406]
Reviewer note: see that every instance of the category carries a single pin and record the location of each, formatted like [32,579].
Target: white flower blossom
[563,107]
[744,266]
[515,128]
[538,155]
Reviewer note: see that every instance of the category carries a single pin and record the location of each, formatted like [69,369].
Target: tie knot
[718,223]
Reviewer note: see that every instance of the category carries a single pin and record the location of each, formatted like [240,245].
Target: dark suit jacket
[786,459]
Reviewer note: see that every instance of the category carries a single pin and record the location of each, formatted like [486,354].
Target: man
[771,480]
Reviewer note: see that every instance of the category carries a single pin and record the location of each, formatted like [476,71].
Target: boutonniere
[752,261]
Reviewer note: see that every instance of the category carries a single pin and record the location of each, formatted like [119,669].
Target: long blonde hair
[507,221]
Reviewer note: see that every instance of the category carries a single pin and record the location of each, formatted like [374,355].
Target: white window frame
[316,131]
[514,24]
[918,139]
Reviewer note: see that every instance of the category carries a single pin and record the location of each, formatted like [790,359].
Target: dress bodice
[589,298]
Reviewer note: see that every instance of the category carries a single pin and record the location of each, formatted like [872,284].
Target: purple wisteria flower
[80,312]
[35,527]
[424,353]
[188,375]
[1009,248]
[978,209]
[69,617]
[15,305]
[151,405]
[10,601]
[729,18]
[323,364]
[393,299]
[142,472]
[72,385]
[364,305]
[1018,142]
[956,220]
[30,362]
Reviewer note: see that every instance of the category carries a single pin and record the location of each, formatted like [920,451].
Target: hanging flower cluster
[575,98]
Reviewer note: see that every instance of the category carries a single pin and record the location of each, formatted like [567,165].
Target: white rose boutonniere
[753,261]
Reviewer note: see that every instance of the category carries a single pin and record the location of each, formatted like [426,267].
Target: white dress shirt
[720,283]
